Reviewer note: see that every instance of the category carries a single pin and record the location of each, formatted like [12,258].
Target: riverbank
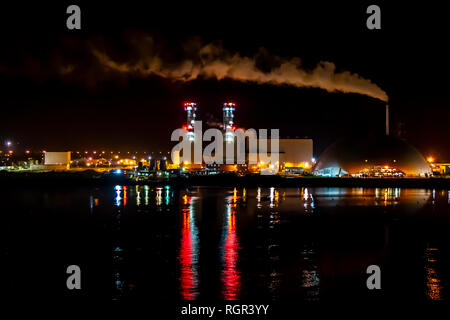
[92,178]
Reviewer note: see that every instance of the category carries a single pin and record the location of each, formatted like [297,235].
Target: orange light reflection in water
[124,196]
[433,281]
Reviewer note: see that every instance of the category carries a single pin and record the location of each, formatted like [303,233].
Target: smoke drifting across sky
[211,61]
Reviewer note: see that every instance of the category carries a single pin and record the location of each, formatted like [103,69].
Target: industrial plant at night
[251,162]
[358,157]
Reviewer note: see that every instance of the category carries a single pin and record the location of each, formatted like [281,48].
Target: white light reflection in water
[308,200]
[118,197]
[138,196]
[310,280]
[117,261]
[271,196]
[158,197]
[389,196]
[258,198]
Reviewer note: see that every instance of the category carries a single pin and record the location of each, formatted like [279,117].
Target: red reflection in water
[231,278]
[188,255]
[124,196]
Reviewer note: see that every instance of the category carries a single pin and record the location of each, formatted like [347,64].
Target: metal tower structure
[191,109]
[228,120]
[228,115]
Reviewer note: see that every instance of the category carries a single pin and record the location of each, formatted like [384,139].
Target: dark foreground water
[211,244]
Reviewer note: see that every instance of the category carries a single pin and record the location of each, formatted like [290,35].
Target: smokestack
[228,115]
[190,108]
[228,120]
[387,119]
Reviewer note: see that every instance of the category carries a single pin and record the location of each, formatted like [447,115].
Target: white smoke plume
[212,61]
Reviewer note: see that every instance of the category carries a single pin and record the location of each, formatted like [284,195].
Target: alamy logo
[374,280]
[74,20]
[74,280]
[374,20]
[227,147]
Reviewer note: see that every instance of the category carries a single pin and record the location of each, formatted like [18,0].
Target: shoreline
[92,178]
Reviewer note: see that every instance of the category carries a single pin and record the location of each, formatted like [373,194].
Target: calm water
[263,244]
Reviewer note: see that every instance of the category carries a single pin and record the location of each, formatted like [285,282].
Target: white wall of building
[296,151]
[57,158]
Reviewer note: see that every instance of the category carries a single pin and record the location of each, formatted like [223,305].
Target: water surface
[259,244]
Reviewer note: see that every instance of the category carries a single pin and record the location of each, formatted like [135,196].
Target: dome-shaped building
[374,156]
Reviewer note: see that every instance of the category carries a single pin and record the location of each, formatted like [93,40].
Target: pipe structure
[387,119]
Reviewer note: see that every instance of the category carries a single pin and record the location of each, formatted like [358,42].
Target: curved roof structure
[354,155]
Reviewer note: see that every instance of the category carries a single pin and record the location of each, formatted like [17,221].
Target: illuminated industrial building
[439,168]
[380,172]
[57,160]
[295,156]
[376,156]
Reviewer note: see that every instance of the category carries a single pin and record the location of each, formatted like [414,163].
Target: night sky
[56,95]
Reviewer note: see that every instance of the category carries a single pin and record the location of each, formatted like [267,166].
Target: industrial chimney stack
[190,108]
[387,119]
[228,120]
[228,115]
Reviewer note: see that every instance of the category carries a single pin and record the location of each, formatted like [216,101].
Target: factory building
[372,157]
[57,160]
[440,168]
[294,155]
[376,156]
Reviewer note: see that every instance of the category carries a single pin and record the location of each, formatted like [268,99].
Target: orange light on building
[430,159]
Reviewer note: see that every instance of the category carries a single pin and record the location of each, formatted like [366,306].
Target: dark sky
[90,108]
